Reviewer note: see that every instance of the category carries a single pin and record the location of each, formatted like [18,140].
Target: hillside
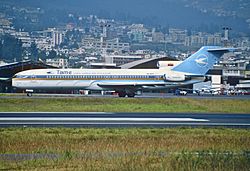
[184,14]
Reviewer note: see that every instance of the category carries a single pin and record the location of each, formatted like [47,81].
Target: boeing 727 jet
[124,81]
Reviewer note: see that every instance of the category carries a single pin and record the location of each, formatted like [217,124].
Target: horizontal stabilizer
[222,50]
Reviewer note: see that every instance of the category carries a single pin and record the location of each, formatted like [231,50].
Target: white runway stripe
[102,119]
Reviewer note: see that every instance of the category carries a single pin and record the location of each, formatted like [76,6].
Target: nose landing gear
[29,92]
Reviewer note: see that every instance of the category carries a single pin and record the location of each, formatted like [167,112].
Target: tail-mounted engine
[174,76]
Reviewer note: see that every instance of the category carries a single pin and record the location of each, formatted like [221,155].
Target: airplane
[208,91]
[126,82]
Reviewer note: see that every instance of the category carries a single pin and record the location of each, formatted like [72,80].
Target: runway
[105,119]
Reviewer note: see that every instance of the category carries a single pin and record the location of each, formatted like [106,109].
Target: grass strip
[89,104]
[127,149]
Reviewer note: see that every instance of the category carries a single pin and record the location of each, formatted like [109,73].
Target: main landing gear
[124,94]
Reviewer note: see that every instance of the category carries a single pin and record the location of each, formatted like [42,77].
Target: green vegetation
[10,48]
[127,149]
[89,104]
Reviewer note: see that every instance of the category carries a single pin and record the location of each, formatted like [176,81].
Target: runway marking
[101,119]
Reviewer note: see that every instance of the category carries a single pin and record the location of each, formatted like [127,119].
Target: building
[58,62]
[25,39]
[100,44]
[214,39]
[44,43]
[177,36]
[57,38]
[158,37]
[202,39]
[197,40]
[120,59]
[137,32]
[234,68]
[234,71]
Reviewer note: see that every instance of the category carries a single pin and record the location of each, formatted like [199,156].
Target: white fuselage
[97,79]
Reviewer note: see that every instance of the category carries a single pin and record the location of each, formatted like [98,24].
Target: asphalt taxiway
[144,95]
[105,119]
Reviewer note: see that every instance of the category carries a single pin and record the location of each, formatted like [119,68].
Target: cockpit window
[15,76]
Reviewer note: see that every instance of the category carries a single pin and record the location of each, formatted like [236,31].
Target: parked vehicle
[180,92]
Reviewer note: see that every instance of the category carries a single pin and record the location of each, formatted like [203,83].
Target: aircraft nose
[15,82]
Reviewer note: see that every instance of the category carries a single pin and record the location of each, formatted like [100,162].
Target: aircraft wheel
[131,94]
[121,94]
[29,94]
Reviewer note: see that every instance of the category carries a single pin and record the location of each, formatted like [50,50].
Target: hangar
[150,63]
[7,71]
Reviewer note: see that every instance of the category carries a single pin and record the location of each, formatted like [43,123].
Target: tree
[42,55]
[52,54]
[34,51]
[11,48]
[74,46]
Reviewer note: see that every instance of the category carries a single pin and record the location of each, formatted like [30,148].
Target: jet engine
[173,76]
[167,64]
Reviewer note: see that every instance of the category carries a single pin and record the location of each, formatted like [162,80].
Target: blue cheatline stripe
[90,77]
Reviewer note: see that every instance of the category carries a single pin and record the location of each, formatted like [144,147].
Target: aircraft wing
[118,85]
[142,85]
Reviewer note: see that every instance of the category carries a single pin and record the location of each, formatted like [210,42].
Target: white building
[100,44]
[44,43]
[58,62]
[203,39]
[177,36]
[24,37]
[57,38]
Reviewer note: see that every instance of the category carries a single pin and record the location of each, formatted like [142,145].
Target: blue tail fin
[203,60]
